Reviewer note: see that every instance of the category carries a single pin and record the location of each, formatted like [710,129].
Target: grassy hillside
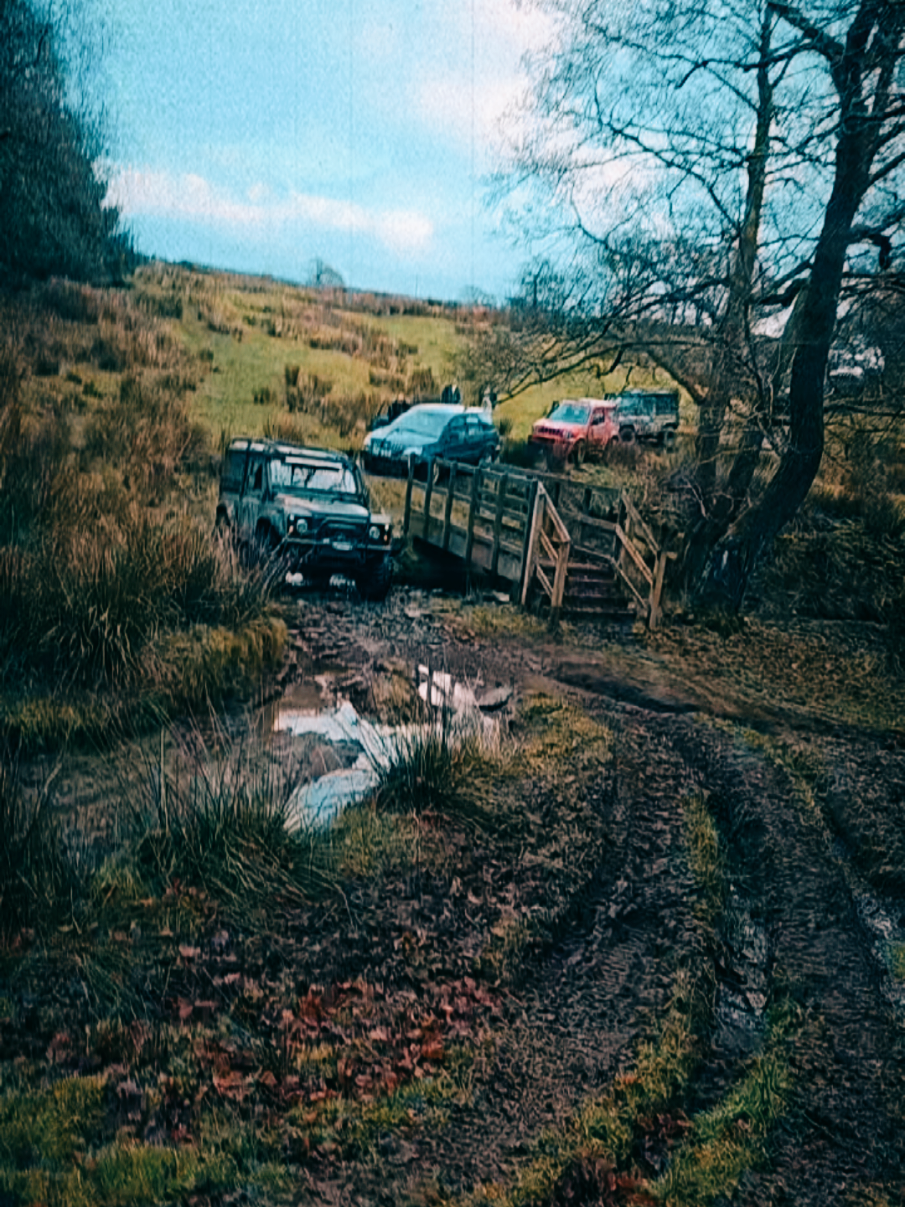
[344,361]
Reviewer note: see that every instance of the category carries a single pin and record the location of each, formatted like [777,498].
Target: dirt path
[571,1026]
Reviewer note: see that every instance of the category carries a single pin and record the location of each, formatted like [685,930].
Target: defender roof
[299,453]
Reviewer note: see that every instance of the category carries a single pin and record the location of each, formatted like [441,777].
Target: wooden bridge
[585,548]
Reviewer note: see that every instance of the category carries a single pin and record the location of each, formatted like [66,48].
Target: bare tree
[53,212]
[322,276]
[714,175]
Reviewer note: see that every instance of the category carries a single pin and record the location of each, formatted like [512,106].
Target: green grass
[706,859]
[57,1148]
[355,1127]
[733,1136]
[240,368]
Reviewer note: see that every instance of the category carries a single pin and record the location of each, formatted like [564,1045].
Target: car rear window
[425,423]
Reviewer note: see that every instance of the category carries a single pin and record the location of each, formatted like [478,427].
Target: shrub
[81,606]
[146,434]
[76,303]
[845,573]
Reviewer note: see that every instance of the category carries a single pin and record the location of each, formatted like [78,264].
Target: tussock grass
[223,830]
[38,883]
[442,767]
[82,606]
[146,433]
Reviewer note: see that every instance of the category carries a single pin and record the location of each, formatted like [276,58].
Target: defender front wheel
[374,583]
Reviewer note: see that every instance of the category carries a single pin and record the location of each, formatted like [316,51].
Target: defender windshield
[570,412]
[315,476]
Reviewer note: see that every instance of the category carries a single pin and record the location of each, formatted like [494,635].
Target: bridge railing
[507,522]
[479,513]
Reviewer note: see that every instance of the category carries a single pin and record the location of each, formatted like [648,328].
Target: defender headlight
[375,532]
[298,523]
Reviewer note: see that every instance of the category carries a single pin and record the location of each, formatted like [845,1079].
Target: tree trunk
[735,555]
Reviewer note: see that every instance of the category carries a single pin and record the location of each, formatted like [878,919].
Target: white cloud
[490,37]
[459,112]
[187,196]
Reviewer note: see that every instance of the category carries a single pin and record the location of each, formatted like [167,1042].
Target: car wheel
[669,438]
[223,530]
[318,580]
[374,583]
[579,453]
[627,435]
[266,553]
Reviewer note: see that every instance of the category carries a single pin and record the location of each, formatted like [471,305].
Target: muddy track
[573,1020]
[848,1059]
[571,1024]
[603,934]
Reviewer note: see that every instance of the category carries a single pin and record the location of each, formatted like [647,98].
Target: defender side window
[255,482]
[233,465]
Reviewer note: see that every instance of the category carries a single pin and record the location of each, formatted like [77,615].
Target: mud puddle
[451,712]
[883,924]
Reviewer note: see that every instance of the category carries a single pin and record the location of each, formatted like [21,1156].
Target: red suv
[576,428]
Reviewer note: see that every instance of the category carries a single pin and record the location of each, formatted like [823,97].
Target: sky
[261,136]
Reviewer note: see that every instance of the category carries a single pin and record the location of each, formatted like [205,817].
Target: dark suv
[308,506]
[648,415]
